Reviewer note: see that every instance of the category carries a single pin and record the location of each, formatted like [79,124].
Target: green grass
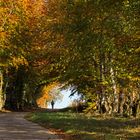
[81,127]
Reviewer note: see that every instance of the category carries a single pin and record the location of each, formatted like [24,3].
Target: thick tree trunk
[19,87]
[14,92]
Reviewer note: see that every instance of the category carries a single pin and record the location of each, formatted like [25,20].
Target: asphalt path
[13,126]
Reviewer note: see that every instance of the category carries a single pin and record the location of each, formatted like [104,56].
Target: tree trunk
[1,91]
[102,108]
[14,92]
[121,102]
[114,87]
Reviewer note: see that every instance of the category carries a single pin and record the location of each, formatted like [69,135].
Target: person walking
[52,104]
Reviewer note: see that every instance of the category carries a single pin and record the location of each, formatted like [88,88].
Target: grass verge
[80,127]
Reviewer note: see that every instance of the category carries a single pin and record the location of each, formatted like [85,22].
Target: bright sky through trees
[66,101]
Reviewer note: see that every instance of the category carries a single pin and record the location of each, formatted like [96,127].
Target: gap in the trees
[66,101]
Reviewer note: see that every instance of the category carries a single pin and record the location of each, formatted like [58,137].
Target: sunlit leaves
[18,61]
[49,93]
[97,36]
[77,42]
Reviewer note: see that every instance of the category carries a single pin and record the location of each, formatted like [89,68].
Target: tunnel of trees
[90,45]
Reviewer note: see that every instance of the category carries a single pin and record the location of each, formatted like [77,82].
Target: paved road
[13,126]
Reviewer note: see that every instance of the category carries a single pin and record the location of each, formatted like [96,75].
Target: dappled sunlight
[80,126]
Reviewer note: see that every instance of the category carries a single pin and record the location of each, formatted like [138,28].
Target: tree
[98,40]
[19,21]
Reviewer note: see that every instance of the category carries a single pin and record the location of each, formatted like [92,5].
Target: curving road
[13,126]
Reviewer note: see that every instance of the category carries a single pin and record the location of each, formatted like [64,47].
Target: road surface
[13,126]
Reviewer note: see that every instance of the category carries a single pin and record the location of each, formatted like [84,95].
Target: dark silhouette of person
[52,104]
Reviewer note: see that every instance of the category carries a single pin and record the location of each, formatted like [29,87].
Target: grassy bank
[81,127]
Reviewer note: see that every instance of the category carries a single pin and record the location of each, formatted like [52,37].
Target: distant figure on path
[52,104]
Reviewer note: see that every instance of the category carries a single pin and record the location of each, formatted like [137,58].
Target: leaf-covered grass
[81,127]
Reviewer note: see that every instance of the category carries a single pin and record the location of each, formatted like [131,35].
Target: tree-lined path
[13,126]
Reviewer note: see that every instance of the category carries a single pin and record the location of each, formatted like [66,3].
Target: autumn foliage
[46,96]
[91,46]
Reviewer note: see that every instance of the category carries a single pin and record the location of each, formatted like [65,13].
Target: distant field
[81,127]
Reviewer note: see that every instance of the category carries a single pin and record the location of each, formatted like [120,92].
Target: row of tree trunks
[17,98]
[126,104]
[119,101]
